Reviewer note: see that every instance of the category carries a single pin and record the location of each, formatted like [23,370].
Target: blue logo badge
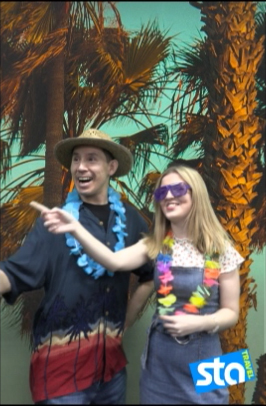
[220,372]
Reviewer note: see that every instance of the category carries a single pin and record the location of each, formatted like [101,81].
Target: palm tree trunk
[55,111]
[54,131]
[259,394]
[230,167]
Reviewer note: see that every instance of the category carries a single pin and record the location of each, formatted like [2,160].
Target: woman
[196,279]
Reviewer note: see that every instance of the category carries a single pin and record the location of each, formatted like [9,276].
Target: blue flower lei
[72,205]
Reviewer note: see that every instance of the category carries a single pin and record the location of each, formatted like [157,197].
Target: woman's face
[176,208]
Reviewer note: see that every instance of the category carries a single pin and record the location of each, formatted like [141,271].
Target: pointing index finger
[38,206]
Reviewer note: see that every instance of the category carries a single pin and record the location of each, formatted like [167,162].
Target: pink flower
[179,312]
[167,277]
[210,282]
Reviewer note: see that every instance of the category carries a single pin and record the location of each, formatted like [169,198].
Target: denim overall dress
[165,373]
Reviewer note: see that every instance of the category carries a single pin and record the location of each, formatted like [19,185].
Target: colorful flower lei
[72,206]
[198,298]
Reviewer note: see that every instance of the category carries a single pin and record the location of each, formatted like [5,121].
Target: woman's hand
[56,220]
[182,324]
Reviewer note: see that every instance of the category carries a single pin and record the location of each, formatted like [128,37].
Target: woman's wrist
[77,229]
[214,328]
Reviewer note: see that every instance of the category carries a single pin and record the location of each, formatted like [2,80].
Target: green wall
[183,19]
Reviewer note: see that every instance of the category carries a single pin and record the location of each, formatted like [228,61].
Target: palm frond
[15,186]
[147,186]
[189,135]
[142,144]
[17,218]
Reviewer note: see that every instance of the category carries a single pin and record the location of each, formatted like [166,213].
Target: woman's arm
[58,221]
[227,315]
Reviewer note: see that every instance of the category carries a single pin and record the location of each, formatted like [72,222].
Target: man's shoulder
[134,218]
[131,210]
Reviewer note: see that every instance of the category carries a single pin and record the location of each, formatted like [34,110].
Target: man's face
[91,171]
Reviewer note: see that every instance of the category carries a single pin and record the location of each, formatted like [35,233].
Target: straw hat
[95,138]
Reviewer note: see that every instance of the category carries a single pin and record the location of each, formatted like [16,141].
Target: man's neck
[99,200]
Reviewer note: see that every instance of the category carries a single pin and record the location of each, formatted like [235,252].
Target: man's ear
[113,165]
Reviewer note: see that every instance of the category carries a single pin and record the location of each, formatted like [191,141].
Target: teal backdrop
[184,20]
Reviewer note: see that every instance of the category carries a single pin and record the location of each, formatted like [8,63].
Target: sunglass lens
[160,193]
[179,190]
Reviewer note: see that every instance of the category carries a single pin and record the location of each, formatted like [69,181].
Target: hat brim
[64,149]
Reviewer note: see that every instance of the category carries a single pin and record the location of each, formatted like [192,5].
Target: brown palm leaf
[143,144]
[17,218]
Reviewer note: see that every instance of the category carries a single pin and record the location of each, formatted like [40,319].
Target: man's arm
[5,285]
[58,221]
[138,301]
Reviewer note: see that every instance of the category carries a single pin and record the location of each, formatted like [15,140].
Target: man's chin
[85,193]
[84,190]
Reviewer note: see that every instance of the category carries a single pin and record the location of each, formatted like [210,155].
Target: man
[77,331]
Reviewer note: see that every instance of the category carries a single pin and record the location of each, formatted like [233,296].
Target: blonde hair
[203,226]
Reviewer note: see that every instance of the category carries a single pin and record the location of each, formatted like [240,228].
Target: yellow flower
[169,241]
[212,264]
[197,301]
[168,300]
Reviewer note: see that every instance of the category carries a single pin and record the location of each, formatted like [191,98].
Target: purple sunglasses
[177,190]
